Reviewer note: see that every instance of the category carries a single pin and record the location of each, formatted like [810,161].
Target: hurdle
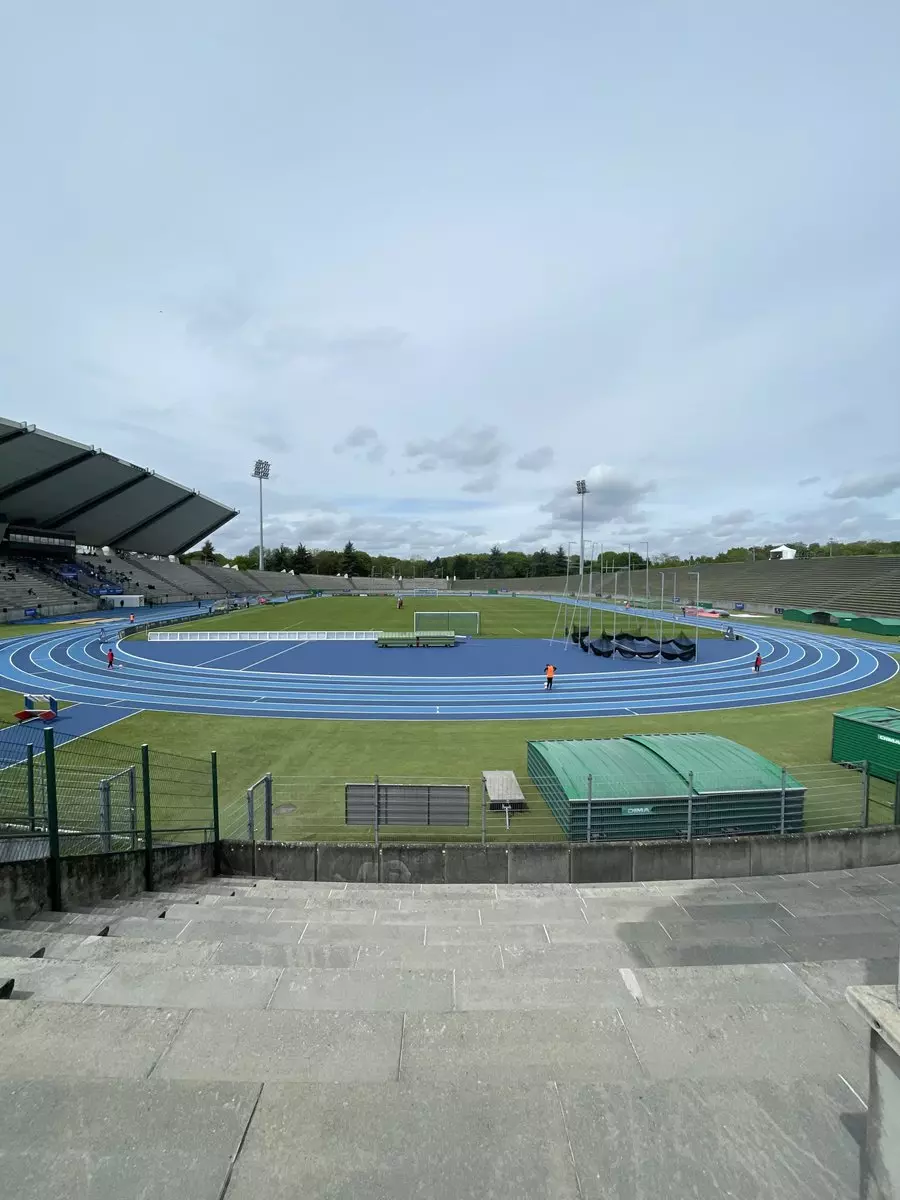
[40,708]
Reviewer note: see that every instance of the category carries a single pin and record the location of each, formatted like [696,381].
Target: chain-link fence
[501,806]
[86,795]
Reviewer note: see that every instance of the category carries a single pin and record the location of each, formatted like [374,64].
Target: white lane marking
[853,1090]
[630,980]
[287,650]
[218,657]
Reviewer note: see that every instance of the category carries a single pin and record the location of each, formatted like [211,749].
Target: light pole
[261,472]
[581,490]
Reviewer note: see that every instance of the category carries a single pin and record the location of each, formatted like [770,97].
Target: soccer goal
[459,622]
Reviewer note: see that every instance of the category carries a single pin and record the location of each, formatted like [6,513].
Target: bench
[503,791]
[443,638]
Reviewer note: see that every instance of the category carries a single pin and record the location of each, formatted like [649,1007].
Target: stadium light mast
[581,490]
[261,472]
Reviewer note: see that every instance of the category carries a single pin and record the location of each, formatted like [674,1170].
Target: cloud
[867,487]
[464,449]
[364,442]
[808,481]
[535,460]
[727,524]
[268,336]
[612,495]
[273,443]
[481,483]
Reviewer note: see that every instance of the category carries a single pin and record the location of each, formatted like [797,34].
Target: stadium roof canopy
[55,484]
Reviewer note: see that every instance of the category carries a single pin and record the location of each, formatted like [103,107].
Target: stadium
[366,790]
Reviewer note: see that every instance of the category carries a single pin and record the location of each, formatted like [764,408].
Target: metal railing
[67,796]
[265,635]
[807,798]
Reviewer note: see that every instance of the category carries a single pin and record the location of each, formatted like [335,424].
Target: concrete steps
[532,1041]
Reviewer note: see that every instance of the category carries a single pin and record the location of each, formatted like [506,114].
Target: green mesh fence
[99,792]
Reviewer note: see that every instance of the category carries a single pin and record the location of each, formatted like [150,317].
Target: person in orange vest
[549,672]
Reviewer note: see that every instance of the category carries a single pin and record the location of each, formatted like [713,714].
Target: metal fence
[309,808]
[63,796]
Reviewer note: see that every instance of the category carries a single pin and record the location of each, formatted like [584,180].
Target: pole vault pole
[662,605]
[591,593]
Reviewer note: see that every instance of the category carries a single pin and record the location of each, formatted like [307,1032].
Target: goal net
[459,622]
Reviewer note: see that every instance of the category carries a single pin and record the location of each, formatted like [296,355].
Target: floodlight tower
[261,472]
[581,490]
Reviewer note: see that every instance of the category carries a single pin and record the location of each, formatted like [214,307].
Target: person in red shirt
[757,665]
[110,658]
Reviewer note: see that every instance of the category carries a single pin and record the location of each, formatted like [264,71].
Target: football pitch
[501,616]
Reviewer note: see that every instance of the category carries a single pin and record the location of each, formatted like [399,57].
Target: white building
[785,552]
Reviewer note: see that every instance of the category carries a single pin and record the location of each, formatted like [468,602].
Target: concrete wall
[90,878]
[561,862]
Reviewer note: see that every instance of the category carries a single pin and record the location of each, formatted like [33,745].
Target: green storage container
[799,614]
[661,786]
[870,735]
[883,625]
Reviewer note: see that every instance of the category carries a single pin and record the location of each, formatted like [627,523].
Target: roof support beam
[101,498]
[36,477]
[152,519]
[12,434]
[204,533]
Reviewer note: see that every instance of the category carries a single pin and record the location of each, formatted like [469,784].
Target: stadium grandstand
[866,584]
[58,497]
[82,529]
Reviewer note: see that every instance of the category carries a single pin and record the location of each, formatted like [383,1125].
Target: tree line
[498,563]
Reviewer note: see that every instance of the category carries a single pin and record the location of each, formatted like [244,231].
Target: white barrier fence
[265,635]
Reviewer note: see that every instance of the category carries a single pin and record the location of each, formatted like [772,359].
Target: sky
[437,259]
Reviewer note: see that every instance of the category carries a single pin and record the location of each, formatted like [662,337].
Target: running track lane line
[405,698]
[287,649]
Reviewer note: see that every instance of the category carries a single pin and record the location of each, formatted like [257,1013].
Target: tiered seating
[379,1040]
[143,578]
[326,583]
[864,584]
[868,585]
[411,584]
[32,589]
[235,583]
[543,583]
[273,583]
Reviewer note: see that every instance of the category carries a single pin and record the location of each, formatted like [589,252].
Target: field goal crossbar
[426,621]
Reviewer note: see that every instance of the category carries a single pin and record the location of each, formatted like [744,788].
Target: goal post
[459,622]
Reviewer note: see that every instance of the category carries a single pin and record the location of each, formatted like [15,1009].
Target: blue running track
[494,679]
